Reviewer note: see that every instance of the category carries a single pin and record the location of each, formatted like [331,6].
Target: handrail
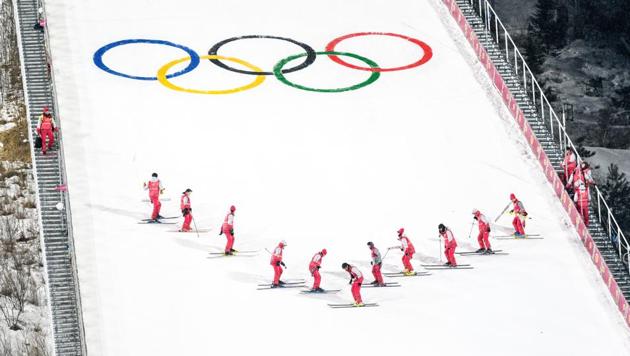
[67,216]
[486,13]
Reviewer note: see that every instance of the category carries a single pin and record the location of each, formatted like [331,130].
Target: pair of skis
[158,222]
[236,253]
[447,267]
[525,237]
[475,253]
[402,274]
[298,283]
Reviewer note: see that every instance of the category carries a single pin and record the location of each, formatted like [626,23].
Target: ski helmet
[232,208]
[188,190]
[370,243]
[283,243]
[324,252]
[401,231]
[475,211]
[441,228]
[154,175]
[345,265]
[512,197]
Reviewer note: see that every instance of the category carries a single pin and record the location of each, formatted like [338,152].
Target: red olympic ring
[428,52]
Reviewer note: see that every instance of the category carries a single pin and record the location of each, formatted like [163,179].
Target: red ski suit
[582,198]
[45,131]
[228,229]
[520,215]
[408,251]
[186,211]
[449,246]
[313,267]
[356,278]
[276,260]
[377,261]
[568,164]
[484,231]
[154,186]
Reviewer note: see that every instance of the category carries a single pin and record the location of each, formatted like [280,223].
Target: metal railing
[547,116]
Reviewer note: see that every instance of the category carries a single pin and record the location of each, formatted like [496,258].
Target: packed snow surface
[416,148]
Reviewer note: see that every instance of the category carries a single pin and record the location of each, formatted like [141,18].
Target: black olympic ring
[310,54]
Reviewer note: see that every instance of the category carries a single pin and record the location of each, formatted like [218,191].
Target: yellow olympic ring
[161,76]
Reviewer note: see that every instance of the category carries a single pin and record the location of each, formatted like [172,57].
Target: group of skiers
[578,179]
[155,188]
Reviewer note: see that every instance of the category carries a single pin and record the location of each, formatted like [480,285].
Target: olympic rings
[428,52]
[162,76]
[310,54]
[98,58]
[277,70]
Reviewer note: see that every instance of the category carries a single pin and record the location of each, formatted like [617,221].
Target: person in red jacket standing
[568,164]
[186,210]
[313,267]
[45,130]
[228,229]
[376,263]
[582,199]
[484,232]
[450,244]
[356,279]
[520,215]
[154,186]
[277,264]
[407,248]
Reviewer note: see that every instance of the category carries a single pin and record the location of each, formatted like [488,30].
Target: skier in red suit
[45,130]
[277,264]
[356,279]
[376,262]
[520,215]
[484,232]
[568,164]
[450,244]
[154,186]
[313,267]
[228,229]
[582,199]
[408,250]
[186,210]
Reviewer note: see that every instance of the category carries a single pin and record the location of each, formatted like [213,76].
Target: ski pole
[502,212]
[195,225]
[439,252]
[471,228]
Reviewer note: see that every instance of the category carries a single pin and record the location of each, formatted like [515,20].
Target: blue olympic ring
[98,58]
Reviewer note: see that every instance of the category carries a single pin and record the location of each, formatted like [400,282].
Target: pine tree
[616,191]
[549,24]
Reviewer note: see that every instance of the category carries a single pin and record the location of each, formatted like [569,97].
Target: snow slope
[415,148]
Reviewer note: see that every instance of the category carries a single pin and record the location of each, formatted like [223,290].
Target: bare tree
[18,283]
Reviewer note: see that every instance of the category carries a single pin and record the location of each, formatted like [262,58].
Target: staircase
[516,84]
[49,173]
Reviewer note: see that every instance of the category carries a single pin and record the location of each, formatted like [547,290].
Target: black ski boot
[489,252]
[481,250]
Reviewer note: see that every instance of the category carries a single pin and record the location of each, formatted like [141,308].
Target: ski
[163,218]
[290,283]
[191,231]
[235,252]
[448,268]
[325,291]
[284,286]
[527,236]
[474,252]
[155,223]
[351,305]
[386,285]
[222,255]
[145,200]
[400,274]
[487,254]
[442,265]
